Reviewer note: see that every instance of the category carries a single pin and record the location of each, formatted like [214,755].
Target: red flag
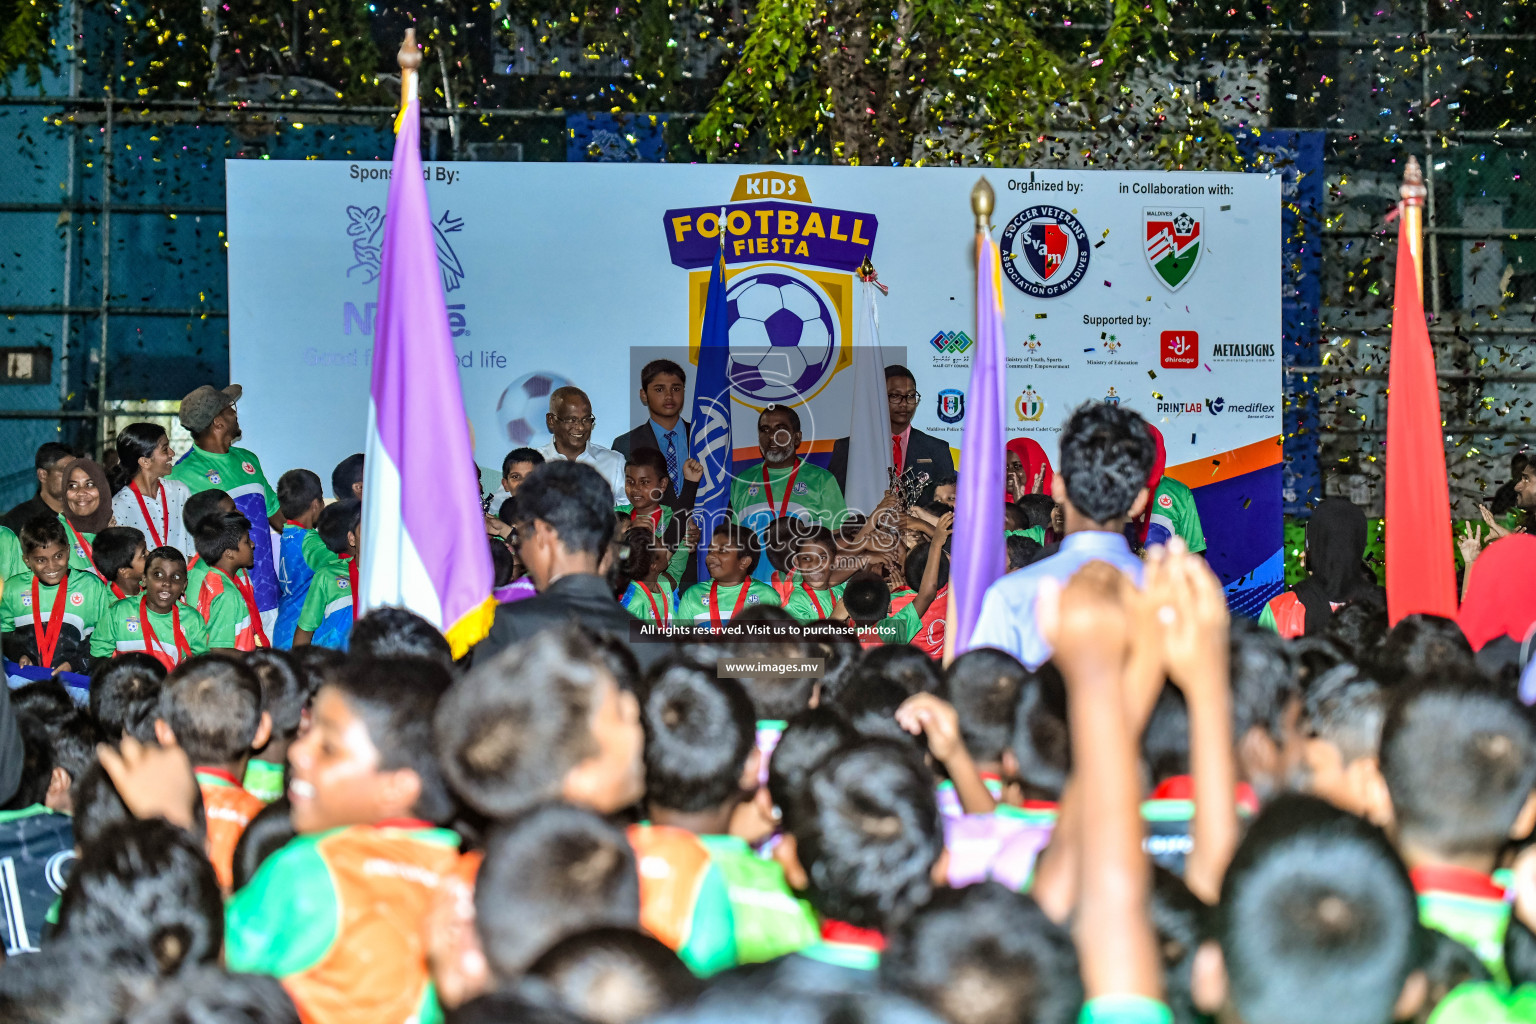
[1421,573]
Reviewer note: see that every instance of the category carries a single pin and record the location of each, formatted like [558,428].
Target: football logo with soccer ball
[783,335]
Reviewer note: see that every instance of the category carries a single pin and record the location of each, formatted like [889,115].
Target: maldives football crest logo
[1173,243]
[1045,251]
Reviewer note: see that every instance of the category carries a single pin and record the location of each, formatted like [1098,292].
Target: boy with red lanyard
[199,507]
[48,613]
[645,485]
[155,622]
[812,594]
[119,556]
[331,607]
[227,600]
[732,555]
[646,597]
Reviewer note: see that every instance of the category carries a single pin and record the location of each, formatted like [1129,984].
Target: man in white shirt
[570,419]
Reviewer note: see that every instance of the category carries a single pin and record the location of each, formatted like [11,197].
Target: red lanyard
[656,520]
[248,592]
[291,522]
[657,614]
[118,592]
[48,636]
[158,536]
[812,595]
[183,649]
[90,556]
[789,488]
[714,602]
[352,581]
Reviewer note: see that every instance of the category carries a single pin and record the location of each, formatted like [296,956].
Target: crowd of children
[1126,806]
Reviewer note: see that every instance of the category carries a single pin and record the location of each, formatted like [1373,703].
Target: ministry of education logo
[1045,251]
[1029,406]
[1173,243]
[951,405]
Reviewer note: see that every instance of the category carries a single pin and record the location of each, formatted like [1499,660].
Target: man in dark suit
[663,385]
[912,451]
[564,525]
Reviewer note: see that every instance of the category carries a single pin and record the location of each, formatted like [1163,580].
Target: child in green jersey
[198,507]
[812,594]
[708,895]
[331,604]
[119,557]
[645,558]
[731,558]
[645,484]
[155,622]
[48,613]
[227,600]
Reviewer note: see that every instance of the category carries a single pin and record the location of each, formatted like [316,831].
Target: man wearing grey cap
[214,462]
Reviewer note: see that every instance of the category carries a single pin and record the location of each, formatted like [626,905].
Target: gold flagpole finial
[983,199]
[1413,194]
[410,59]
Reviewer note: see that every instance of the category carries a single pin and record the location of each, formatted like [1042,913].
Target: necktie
[672,460]
[896,451]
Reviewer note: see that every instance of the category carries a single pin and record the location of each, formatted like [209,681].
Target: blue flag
[710,441]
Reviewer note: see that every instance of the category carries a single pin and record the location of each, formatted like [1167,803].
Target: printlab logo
[1029,406]
[1173,243]
[951,405]
[1180,408]
[1180,349]
[1054,248]
[951,343]
[365,226]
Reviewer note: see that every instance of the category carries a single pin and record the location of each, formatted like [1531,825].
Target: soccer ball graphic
[782,337]
[1183,224]
[522,407]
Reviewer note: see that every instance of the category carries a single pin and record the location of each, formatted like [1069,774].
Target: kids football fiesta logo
[1173,243]
[1054,250]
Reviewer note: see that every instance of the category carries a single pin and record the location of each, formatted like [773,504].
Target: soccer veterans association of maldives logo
[1045,251]
[1173,243]
[951,405]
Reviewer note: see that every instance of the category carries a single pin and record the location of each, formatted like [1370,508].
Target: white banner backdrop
[1161,291]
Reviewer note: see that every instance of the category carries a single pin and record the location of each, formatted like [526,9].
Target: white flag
[869,439]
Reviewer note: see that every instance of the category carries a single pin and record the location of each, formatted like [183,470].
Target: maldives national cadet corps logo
[1054,248]
[1029,406]
[1173,243]
[951,405]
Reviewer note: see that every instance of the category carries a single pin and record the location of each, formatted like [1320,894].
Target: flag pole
[1413,193]
[409,59]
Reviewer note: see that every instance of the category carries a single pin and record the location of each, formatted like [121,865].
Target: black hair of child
[870,704]
[638,549]
[775,696]
[397,699]
[166,553]
[219,532]
[656,367]
[267,833]
[616,975]
[399,633]
[1361,627]
[1178,917]
[210,995]
[503,562]
[41,532]
[1106,457]
[552,872]
[75,981]
[125,696]
[779,541]
[149,885]
[510,730]
[1346,707]
[284,694]
[614,653]
[574,500]
[841,651]
[650,458]
[808,739]
[984,685]
[699,731]
[904,665]
[1165,741]
[348,472]
[744,540]
[985,955]
[74,740]
[524,1003]
[916,563]
[1459,760]
[1315,655]
[339,519]
[212,703]
[867,833]
[1013,516]
[44,699]
[1264,686]
[97,807]
[1317,919]
[867,598]
[1037,509]
[1420,646]
[1022,551]
[113,549]
[201,505]
[516,455]
[1041,745]
[36,763]
[297,491]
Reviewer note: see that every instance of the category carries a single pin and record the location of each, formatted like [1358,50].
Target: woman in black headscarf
[1334,559]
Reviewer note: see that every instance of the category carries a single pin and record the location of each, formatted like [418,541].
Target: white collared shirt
[605,460]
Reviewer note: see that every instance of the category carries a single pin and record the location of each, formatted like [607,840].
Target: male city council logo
[949,343]
[1045,251]
[951,405]
[1173,243]
[365,226]
[1029,406]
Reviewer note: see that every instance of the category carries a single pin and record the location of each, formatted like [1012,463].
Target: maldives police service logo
[1045,251]
[1173,243]
[951,405]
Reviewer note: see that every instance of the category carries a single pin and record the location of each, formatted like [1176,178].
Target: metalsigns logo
[1029,406]
[948,343]
[1054,248]
[1180,350]
[951,405]
[1173,243]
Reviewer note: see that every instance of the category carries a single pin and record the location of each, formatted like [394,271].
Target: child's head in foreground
[211,706]
[544,720]
[1317,922]
[125,696]
[368,756]
[700,733]
[615,975]
[118,552]
[45,549]
[1342,724]
[983,686]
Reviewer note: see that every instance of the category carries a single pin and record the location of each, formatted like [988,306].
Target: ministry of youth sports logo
[1173,243]
[365,226]
[1045,251]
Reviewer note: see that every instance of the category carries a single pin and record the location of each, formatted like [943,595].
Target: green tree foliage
[26,42]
